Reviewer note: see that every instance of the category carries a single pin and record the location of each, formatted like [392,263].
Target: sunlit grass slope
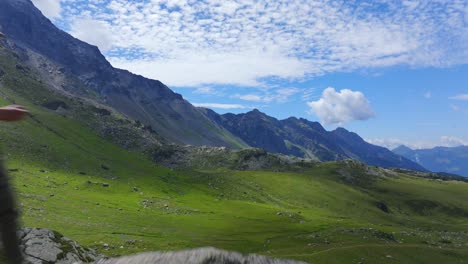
[70,180]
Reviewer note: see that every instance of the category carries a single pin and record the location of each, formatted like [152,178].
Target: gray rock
[41,246]
[196,256]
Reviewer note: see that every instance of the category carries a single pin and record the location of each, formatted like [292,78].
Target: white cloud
[207,67]
[341,107]
[428,95]
[251,97]
[50,8]
[309,94]
[205,90]
[389,143]
[221,106]
[93,32]
[462,97]
[242,42]
[450,141]
[270,95]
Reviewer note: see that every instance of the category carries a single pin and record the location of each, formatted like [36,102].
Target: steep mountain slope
[79,76]
[303,138]
[439,159]
[77,68]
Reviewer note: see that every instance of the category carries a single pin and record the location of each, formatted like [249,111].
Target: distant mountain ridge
[303,138]
[77,70]
[439,159]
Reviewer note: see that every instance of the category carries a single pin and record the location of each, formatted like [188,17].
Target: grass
[59,165]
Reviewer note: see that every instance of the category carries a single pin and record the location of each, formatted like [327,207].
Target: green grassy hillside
[83,185]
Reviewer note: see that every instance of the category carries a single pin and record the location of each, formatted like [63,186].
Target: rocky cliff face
[80,69]
[303,138]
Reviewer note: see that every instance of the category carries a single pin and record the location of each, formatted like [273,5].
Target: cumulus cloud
[462,97]
[341,107]
[222,106]
[93,32]
[50,8]
[243,42]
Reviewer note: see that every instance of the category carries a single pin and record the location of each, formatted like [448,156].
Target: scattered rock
[279,213]
[131,242]
[105,184]
[135,189]
[382,206]
[42,171]
[104,167]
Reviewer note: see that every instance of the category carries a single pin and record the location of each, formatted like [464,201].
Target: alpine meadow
[108,163]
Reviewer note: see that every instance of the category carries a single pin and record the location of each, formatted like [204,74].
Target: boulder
[41,246]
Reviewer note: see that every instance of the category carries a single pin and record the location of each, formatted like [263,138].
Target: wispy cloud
[206,91]
[250,97]
[243,42]
[309,94]
[428,95]
[341,107]
[222,106]
[462,97]
[281,95]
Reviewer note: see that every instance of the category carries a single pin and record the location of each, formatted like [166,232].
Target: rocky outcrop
[41,246]
[196,256]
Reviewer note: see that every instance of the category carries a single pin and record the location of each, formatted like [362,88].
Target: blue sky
[394,71]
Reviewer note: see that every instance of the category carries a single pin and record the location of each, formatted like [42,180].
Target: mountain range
[78,76]
[452,160]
